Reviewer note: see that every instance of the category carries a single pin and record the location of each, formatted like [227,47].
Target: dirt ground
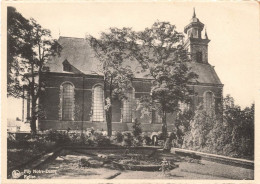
[67,167]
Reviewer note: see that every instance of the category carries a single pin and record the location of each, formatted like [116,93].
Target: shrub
[119,137]
[102,140]
[160,136]
[58,137]
[89,142]
[128,139]
[137,141]
[172,136]
[147,140]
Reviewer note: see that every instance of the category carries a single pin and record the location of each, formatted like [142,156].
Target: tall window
[98,104]
[127,106]
[199,57]
[208,100]
[67,101]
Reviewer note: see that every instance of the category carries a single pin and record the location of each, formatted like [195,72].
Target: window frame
[205,101]
[62,102]
[130,108]
[93,103]
[199,56]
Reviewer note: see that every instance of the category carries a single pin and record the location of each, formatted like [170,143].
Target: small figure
[164,165]
[155,140]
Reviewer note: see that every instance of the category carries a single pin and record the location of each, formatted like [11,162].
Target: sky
[232,27]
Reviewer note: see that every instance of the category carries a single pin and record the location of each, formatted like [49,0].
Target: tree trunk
[109,121]
[34,117]
[33,108]
[109,110]
[164,126]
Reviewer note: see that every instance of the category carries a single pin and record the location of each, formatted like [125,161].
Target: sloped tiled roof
[206,73]
[78,53]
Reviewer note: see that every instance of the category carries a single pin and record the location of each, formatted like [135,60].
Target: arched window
[127,106]
[208,100]
[98,104]
[67,98]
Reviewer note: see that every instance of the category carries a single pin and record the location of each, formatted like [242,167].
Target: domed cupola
[194,28]
[195,44]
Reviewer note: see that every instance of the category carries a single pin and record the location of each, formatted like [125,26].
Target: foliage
[182,126]
[112,52]
[102,140]
[137,130]
[160,51]
[35,143]
[30,47]
[147,139]
[119,137]
[231,136]
[59,137]
[200,127]
[138,140]
[17,27]
[128,139]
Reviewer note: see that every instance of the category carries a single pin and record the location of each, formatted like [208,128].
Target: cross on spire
[194,13]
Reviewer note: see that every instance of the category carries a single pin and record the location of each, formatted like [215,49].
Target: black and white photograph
[114,91]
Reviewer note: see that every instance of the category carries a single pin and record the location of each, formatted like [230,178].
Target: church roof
[79,54]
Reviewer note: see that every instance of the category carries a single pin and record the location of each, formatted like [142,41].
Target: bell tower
[196,45]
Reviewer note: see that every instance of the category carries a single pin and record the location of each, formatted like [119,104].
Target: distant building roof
[78,52]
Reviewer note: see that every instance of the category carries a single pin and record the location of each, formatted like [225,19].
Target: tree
[111,49]
[200,126]
[160,51]
[17,28]
[232,136]
[239,124]
[29,59]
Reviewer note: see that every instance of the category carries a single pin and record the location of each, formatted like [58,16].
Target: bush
[147,140]
[58,137]
[119,137]
[128,139]
[102,140]
[160,136]
[138,141]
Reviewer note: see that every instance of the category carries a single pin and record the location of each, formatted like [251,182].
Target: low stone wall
[215,158]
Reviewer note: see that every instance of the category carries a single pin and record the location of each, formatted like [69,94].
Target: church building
[73,97]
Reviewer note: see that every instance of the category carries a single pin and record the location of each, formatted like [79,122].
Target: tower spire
[206,35]
[194,13]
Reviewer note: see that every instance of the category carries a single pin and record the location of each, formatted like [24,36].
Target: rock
[102,156]
[84,163]
[86,157]
[59,158]
[95,163]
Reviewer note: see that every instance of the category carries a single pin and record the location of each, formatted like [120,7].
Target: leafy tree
[200,126]
[182,124]
[28,60]
[159,49]
[232,136]
[112,51]
[239,124]
[17,28]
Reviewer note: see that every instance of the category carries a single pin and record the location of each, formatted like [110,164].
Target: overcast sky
[233,29]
